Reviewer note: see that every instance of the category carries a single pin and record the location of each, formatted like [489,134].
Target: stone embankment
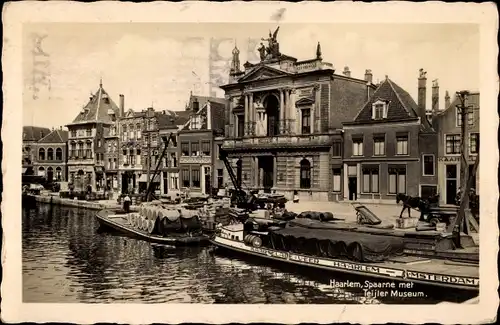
[94,205]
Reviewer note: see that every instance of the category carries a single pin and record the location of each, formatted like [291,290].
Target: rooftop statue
[272,51]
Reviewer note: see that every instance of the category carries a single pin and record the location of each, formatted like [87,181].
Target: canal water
[67,257]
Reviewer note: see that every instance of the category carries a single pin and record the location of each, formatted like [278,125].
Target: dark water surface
[68,258]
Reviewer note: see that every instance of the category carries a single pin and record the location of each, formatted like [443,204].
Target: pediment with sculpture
[262,73]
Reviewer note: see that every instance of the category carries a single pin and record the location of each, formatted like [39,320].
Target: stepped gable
[56,136]
[34,133]
[98,108]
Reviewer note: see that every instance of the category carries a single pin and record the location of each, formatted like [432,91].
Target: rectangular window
[337,149]
[397,180]
[378,111]
[185,178]
[241,126]
[154,138]
[89,132]
[470,116]
[205,148]
[73,133]
[370,180]
[452,144]
[195,148]
[473,143]
[428,165]
[220,178]
[195,175]
[185,148]
[337,179]
[401,145]
[114,163]
[306,121]
[379,145]
[357,147]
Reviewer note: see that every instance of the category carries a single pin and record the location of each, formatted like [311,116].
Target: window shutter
[373,111]
[386,108]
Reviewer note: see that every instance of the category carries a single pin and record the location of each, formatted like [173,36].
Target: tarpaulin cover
[336,243]
[171,219]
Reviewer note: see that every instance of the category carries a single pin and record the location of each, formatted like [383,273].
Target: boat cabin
[233,232]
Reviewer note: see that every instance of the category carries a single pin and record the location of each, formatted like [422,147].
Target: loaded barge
[371,251]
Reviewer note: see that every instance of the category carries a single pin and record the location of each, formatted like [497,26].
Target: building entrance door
[208,184]
[353,188]
[266,167]
[125,180]
[451,183]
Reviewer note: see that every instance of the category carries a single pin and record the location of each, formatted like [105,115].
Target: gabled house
[385,146]
[31,135]
[51,156]
[170,122]
[86,140]
[198,156]
[448,124]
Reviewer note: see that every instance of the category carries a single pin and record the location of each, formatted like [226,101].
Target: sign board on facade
[455,159]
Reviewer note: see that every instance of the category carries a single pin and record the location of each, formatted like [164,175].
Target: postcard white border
[15,14]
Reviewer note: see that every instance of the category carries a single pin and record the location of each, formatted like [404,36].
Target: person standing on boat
[126,203]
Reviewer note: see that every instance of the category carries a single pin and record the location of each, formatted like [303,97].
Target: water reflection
[66,258]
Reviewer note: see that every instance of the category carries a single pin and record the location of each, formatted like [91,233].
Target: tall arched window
[50,174]
[305,173]
[41,171]
[125,133]
[50,154]
[58,174]
[58,154]
[132,132]
[41,154]
[138,127]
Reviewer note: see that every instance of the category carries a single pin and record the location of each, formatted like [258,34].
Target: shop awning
[144,178]
[24,170]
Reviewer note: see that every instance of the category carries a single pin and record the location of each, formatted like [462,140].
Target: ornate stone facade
[283,119]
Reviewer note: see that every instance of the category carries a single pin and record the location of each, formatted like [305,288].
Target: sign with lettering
[402,274]
[454,158]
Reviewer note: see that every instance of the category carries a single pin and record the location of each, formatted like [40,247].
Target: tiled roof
[202,100]
[34,133]
[97,108]
[401,105]
[171,119]
[473,100]
[56,136]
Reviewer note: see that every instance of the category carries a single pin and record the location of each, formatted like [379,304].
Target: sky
[159,64]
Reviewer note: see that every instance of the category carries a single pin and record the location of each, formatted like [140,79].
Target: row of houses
[288,126]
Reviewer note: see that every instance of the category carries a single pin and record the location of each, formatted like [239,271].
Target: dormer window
[379,110]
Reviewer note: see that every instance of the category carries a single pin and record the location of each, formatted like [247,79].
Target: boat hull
[381,271]
[118,223]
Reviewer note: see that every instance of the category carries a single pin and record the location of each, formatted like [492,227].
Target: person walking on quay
[126,203]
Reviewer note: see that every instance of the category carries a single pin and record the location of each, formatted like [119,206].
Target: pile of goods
[165,220]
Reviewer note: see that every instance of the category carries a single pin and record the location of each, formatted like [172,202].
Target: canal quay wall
[99,205]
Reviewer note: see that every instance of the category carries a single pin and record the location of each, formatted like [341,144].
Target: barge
[378,252]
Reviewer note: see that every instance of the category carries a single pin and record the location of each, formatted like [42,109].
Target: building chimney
[435,96]
[122,105]
[368,76]
[422,90]
[447,101]
[347,72]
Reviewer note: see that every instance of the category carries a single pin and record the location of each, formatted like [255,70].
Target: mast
[465,178]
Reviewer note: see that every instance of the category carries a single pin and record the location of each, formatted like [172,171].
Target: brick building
[31,135]
[385,145]
[448,123]
[284,122]
[86,140]
[51,156]
[171,123]
[198,161]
